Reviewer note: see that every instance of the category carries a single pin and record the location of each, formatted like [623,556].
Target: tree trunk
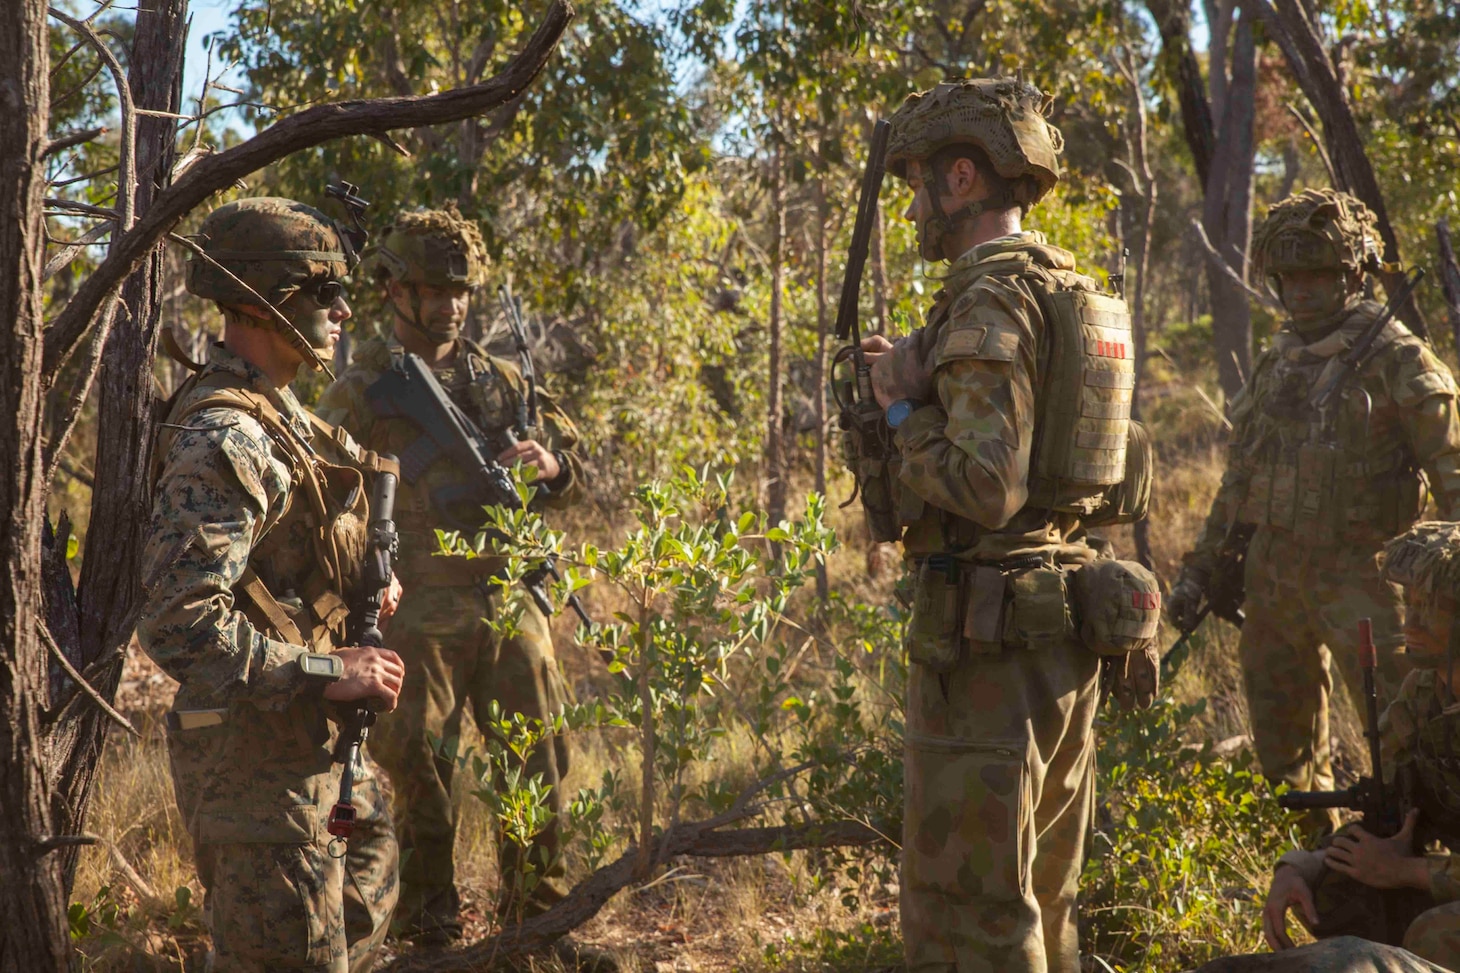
[1449,278]
[33,929]
[1298,32]
[879,273]
[823,590]
[1227,215]
[110,585]
[1173,21]
[775,450]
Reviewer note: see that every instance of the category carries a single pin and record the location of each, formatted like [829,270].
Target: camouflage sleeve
[1201,560]
[1423,388]
[343,404]
[562,438]
[218,484]
[969,451]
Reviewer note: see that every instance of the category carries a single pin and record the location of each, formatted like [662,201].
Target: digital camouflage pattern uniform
[239,562]
[256,784]
[1324,499]
[1002,694]
[450,654]
[1420,750]
[1343,954]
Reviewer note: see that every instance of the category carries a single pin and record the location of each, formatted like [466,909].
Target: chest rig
[307,559]
[435,491]
[1317,474]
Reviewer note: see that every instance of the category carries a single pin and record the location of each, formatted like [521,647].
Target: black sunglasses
[325,291]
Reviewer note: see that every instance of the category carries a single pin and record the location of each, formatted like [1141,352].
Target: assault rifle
[1353,908]
[1383,817]
[862,419]
[410,389]
[364,629]
[1225,591]
[1335,382]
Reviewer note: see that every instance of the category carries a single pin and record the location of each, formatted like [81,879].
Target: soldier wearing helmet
[1323,492]
[428,264]
[1390,890]
[254,554]
[1011,423]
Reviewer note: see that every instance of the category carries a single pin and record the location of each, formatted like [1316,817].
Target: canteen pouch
[934,632]
[1119,605]
[1040,608]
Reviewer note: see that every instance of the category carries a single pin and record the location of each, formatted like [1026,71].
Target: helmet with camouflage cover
[1425,560]
[439,248]
[1317,229]
[268,247]
[1005,117]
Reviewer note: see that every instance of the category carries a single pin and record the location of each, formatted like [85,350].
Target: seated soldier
[1402,890]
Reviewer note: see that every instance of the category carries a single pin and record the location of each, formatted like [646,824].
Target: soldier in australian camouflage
[1324,491]
[257,535]
[1417,904]
[428,263]
[1012,434]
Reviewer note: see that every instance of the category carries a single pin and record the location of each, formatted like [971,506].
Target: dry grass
[758,915]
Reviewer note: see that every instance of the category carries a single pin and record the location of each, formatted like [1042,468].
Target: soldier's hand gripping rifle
[1224,594]
[410,389]
[867,439]
[1383,811]
[1336,380]
[364,629]
[523,429]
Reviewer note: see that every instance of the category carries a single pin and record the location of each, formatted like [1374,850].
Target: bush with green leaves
[1184,843]
[707,659]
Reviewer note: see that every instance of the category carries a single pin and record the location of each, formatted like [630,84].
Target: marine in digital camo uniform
[1402,891]
[428,263]
[257,534]
[1325,493]
[1011,415]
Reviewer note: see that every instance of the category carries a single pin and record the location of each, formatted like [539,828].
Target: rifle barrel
[1320,800]
[847,312]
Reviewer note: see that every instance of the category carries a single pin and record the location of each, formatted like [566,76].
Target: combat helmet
[268,247]
[1317,229]
[1005,117]
[1425,560]
[439,248]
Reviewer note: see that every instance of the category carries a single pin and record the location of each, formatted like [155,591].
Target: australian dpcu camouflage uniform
[1325,496]
[232,602]
[1002,689]
[1420,751]
[450,654]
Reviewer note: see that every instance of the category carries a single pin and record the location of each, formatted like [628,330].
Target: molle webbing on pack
[1082,421]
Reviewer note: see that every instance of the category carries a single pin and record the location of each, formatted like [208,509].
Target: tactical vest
[305,566]
[435,492]
[1313,479]
[1082,426]
[1432,781]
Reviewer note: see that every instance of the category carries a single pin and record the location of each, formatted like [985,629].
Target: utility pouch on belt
[1119,604]
[1040,609]
[934,633]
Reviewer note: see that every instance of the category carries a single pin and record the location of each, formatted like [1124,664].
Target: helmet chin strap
[934,231]
[416,321]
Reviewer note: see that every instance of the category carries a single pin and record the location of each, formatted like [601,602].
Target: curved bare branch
[309,128]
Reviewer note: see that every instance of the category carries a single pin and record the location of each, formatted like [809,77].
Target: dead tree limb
[702,839]
[1449,276]
[311,127]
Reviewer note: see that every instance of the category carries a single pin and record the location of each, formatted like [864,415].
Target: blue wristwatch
[898,411]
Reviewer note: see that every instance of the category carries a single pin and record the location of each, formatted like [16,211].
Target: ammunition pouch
[982,607]
[868,453]
[1119,606]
